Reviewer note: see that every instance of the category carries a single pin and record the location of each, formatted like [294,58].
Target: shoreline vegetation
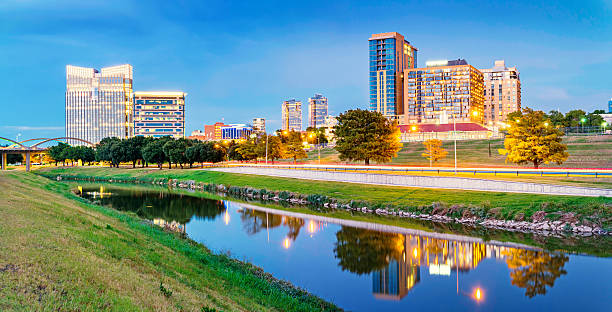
[61,252]
[559,216]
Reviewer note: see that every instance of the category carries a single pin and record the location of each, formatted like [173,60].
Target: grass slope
[60,253]
[510,203]
[585,152]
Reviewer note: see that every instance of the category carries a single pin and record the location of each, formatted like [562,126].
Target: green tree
[134,146]
[574,118]
[104,151]
[532,139]
[248,150]
[434,151]
[594,119]
[193,154]
[556,118]
[316,135]
[153,152]
[366,135]
[295,147]
[175,151]
[56,152]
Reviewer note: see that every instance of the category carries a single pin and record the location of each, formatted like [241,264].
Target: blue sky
[239,60]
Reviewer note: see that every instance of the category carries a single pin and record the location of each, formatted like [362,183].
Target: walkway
[423,181]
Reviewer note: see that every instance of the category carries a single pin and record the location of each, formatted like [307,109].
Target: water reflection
[392,264]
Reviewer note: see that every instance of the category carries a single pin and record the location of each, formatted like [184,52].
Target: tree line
[575,118]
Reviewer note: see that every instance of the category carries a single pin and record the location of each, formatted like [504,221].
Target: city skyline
[561,57]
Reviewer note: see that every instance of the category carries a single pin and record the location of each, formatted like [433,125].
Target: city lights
[286,243]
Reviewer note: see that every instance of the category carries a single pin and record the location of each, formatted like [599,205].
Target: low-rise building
[213,132]
[159,113]
[236,132]
[259,125]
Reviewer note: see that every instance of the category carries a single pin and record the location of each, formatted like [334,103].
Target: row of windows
[158,124]
[155,101]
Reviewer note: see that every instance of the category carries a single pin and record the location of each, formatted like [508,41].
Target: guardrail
[438,171]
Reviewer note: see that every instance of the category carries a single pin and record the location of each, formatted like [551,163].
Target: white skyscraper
[99,103]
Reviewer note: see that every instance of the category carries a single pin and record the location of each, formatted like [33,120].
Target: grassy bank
[585,152]
[60,253]
[503,205]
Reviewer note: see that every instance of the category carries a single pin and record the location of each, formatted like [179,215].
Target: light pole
[266,148]
[582,121]
[455,139]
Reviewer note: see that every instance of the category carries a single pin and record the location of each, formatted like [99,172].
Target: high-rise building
[443,91]
[390,55]
[159,113]
[317,110]
[98,103]
[292,115]
[502,92]
[259,125]
[610,106]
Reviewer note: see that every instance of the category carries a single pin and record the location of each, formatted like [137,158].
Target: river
[365,267]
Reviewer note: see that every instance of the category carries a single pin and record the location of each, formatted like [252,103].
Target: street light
[604,125]
[311,135]
[582,121]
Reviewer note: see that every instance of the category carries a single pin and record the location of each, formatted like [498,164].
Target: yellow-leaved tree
[533,139]
[434,151]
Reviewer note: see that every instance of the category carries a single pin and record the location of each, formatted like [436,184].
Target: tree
[104,150]
[594,119]
[295,147]
[56,152]
[232,152]
[153,152]
[133,149]
[365,135]
[193,154]
[175,151]
[574,118]
[556,118]
[532,139]
[363,251]
[434,151]
[248,150]
[276,148]
[316,135]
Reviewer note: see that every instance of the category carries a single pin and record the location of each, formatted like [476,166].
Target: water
[361,269]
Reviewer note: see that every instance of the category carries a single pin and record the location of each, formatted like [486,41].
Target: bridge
[26,148]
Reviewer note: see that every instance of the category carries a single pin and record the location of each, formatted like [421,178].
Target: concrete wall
[425,181]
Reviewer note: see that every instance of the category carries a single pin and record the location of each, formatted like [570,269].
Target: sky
[240,59]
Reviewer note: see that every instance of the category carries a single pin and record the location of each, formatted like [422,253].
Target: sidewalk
[390,179]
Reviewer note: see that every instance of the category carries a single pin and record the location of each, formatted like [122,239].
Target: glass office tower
[159,113]
[390,54]
[292,115]
[98,103]
[317,111]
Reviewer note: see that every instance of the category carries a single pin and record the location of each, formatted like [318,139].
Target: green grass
[62,253]
[509,204]
[585,152]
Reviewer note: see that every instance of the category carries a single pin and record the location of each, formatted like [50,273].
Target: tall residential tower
[502,92]
[317,111]
[98,103]
[292,115]
[442,92]
[390,55]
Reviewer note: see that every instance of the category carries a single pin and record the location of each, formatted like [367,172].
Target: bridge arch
[14,142]
[61,138]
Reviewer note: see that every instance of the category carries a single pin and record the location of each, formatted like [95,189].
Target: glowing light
[226,217]
[312,226]
[478,294]
[415,252]
[475,114]
[583,120]
[286,243]
[545,124]
[413,128]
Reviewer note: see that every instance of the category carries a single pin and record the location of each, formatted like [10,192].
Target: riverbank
[521,212]
[62,253]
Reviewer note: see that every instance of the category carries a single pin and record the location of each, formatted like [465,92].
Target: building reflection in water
[395,261]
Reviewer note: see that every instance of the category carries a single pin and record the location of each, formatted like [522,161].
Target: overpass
[31,149]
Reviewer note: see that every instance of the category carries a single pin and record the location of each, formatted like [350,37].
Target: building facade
[317,111]
[390,54]
[443,92]
[259,125]
[610,106]
[159,113]
[236,132]
[99,103]
[213,132]
[502,92]
[292,115]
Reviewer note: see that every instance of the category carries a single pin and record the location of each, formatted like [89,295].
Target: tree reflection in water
[363,251]
[534,270]
[255,221]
